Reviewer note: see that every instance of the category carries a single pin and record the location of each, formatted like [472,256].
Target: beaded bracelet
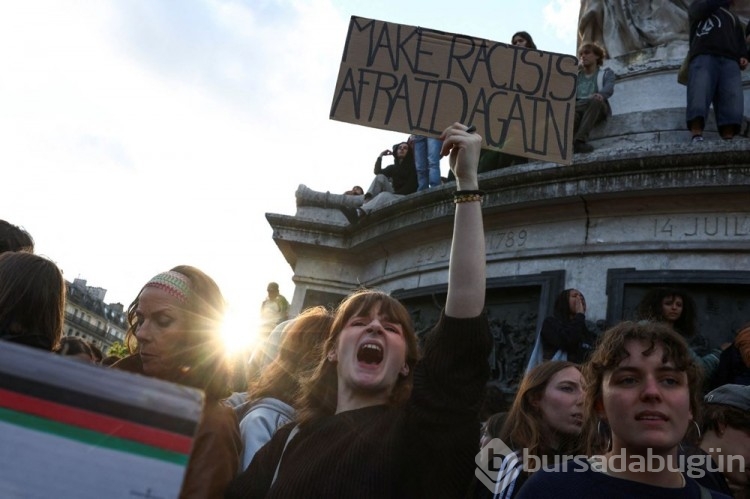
[467,196]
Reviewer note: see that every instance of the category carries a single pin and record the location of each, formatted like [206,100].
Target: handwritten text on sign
[417,80]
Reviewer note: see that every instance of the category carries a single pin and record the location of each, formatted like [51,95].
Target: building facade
[87,316]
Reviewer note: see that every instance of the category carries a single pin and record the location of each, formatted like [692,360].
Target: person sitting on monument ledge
[389,184]
[594,88]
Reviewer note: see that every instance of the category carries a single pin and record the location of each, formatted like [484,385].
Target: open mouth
[651,416]
[370,353]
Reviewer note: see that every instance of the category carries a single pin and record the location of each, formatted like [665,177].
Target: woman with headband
[174,335]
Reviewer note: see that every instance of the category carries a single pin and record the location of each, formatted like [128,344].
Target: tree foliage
[119,349]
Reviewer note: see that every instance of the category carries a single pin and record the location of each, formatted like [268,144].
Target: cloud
[167,129]
[558,15]
[254,54]
[105,151]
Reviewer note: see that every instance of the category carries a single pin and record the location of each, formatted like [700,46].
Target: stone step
[651,127]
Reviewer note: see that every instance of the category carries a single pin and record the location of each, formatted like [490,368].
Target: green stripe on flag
[90,437]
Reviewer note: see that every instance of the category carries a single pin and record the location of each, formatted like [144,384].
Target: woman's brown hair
[524,426]
[319,392]
[32,300]
[299,352]
[611,350]
[203,359]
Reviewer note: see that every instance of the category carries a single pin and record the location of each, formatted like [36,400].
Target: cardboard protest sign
[70,429]
[418,80]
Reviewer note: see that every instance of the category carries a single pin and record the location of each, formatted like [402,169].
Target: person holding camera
[390,183]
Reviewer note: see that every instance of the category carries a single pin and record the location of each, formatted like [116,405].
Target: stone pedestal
[648,106]
[646,208]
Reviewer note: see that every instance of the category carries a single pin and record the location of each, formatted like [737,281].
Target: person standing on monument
[594,88]
[426,160]
[718,52]
[274,310]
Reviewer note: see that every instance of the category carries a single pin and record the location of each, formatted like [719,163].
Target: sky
[137,135]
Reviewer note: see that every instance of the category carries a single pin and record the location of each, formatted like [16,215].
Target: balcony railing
[86,326]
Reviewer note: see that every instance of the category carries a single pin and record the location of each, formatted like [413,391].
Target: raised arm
[466,271]
[379,162]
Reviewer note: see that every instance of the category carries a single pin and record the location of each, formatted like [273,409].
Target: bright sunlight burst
[240,332]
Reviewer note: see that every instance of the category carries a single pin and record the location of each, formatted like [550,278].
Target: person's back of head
[72,346]
[110,360]
[32,300]
[96,352]
[727,405]
[299,352]
[14,238]
[492,427]
[726,433]
[742,342]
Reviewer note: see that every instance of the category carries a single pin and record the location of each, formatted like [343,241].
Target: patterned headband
[172,282]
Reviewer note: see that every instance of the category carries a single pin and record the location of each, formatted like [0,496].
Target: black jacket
[403,173]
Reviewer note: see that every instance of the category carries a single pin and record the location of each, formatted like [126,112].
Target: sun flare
[239,332]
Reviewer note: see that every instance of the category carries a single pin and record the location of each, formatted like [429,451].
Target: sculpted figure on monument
[623,26]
